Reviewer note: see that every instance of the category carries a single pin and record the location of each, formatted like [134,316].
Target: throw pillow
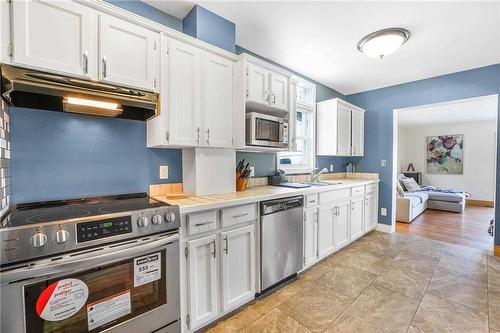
[399,189]
[411,185]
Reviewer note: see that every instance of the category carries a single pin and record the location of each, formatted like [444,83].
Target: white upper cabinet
[279,91]
[340,129]
[217,106]
[55,35]
[129,54]
[257,85]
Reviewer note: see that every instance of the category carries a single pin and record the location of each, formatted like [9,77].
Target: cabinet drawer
[358,190]
[370,188]
[330,196]
[202,222]
[311,200]
[238,214]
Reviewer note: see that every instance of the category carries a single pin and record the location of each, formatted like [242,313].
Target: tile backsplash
[4,159]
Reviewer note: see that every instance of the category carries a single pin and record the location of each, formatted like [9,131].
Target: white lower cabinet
[310,236]
[326,243]
[371,212]
[357,218]
[202,280]
[237,266]
[221,274]
[341,224]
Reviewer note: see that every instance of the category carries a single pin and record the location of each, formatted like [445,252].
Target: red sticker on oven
[62,299]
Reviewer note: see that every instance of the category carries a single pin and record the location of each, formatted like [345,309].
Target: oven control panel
[89,231]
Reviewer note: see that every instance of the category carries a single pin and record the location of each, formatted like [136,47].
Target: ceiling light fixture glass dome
[381,43]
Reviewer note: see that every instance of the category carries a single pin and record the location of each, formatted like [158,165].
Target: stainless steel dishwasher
[281,239]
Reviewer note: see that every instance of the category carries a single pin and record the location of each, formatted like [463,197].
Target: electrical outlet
[252,171]
[383,163]
[163,171]
[331,167]
[383,211]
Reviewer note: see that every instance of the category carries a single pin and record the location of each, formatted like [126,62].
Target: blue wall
[210,27]
[379,105]
[58,155]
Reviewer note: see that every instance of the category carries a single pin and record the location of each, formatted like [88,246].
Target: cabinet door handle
[197,135]
[208,136]
[104,66]
[203,223]
[226,250]
[273,98]
[215,249]
[85,62]
[239,215]
[266,95]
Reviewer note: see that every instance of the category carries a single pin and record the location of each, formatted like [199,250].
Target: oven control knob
[61,236]
[143,221]
[157,219]
[38,240]
[169,217]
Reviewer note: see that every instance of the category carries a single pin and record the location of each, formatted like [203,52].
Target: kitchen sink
[323,183]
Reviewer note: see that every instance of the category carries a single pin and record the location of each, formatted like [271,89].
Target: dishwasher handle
[280,205]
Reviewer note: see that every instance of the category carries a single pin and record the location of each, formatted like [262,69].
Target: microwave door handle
[281,132]
[74,264]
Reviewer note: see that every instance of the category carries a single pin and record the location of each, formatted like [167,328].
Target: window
[300,158]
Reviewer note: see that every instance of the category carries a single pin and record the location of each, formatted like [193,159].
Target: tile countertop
[256,194]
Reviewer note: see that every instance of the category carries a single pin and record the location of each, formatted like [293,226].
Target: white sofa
[410,206]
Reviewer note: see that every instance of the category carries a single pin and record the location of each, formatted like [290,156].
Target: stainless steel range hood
[39,90]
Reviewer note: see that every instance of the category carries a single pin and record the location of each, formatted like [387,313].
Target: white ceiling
[318,38]
[456,112]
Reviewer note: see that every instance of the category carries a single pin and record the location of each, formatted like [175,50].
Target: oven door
[266,131]
[124,287]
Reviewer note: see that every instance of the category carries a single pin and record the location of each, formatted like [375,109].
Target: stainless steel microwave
[263,130]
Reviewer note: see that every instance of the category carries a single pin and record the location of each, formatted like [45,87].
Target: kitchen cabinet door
[129,54]
[182,78]
[279,91]
[310,236]
[371,212]
[343,130]
[238,266]
[358,132]
[257,85]
[326,243]
[326,128]
[357,218]
[217,97]
[341,228]
[55,36]
[202,280]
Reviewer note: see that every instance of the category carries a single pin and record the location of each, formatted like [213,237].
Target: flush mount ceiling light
[381,43]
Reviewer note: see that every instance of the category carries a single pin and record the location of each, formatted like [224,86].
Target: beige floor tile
[493,263]
[275,322]
[494,310]
[264,305]
[385,248]
[464,268]
[413,329]
[465,252]
[315,272]
[379,309]
[371,262]
[354,327]
[235,323]
[426,247]
[417,261]
[347,281]
[405,280]
[316,307]
[464,291]
[436,314]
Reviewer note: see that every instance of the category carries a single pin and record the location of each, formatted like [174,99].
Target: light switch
[383,163]
[383,211]
[163,171]
[252,171]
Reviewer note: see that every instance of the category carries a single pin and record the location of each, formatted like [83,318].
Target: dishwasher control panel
[274,206]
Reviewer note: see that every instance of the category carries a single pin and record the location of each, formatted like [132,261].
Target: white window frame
[310,107]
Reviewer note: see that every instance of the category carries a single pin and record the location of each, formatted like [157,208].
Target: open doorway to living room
[446,162]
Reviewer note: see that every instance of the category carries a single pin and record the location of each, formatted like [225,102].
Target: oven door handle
[77,262]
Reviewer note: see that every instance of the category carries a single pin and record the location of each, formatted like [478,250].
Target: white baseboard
[384,228]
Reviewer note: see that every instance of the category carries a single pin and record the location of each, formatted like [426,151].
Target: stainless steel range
[91,265]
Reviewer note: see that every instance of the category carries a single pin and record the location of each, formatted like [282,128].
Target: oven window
[267,130]
[110,290]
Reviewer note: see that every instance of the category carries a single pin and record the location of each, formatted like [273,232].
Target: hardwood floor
[468,228]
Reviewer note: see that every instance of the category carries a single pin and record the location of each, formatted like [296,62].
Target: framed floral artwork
[445,154]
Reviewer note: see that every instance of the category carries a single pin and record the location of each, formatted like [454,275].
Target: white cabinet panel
[357,218]
[217,106]
[202,280]
[129,54]
[358,133]
[55,35]
[326,128]
[371,212]
[343,130]
[310,236]
[183,81]
[279,91]
[341,228]
[257,85]
[238,266]
[325,230]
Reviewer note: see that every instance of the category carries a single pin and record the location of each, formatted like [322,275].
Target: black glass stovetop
[49,211]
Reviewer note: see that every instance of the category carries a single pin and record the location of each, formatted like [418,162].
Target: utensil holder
[241,184]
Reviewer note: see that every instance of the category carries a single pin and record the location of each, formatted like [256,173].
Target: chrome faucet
[315,175]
